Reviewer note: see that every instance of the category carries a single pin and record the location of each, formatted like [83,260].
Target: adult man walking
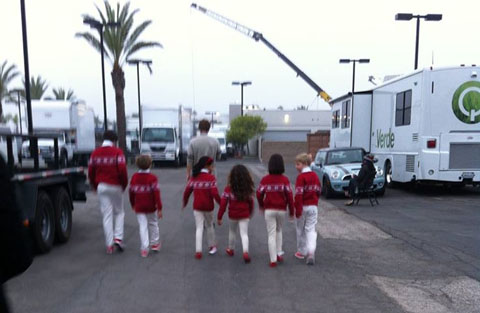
[107,172]
[202,145]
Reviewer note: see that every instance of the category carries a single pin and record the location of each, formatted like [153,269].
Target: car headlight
[335,174]
[379,172]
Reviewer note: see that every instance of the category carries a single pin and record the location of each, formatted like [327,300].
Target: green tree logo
[466,102]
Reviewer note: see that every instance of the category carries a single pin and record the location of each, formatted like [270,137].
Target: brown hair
[276,166]
[110,135]
[241,182]
[204,126]
[303,158]
[144,161]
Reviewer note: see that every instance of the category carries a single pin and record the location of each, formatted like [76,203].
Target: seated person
[364,179]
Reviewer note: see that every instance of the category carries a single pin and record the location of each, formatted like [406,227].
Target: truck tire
[327,190]
[387,170]
[44,223]
[62,204]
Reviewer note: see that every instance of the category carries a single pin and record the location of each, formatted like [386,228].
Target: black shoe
[119,246]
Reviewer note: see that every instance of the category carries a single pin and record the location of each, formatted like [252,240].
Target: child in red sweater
[238,196]
[274,194]
[204,187]
[145,199]
[307,192]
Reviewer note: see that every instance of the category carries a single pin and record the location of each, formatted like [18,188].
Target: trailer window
[403,108]
[336,119]
[346,114]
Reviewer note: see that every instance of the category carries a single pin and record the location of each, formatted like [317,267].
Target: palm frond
[141,45]
[94,42]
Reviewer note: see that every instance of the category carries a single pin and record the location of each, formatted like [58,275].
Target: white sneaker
[212,250]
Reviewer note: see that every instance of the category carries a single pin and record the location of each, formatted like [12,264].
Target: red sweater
[307,191]
[107,165]
[274,192]
[144,193]
[237,210]
[204,188]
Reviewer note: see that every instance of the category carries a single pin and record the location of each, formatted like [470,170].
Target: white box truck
[424,126]
[166,133]
[221,136]
[74,125]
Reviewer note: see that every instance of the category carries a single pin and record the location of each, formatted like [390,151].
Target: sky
[201,57]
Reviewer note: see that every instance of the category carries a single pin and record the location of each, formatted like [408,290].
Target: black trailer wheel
[44,224]
[63,214]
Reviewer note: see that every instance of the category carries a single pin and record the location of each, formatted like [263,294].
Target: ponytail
[204,161]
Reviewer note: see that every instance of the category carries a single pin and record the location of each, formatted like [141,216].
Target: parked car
[336,166]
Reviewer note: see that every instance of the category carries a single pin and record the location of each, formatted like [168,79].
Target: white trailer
[73,123]
[221,136]
[424,126]
[166,133]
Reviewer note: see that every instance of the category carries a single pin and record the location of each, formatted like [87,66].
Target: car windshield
[157,135]
[221,141]
[345,156]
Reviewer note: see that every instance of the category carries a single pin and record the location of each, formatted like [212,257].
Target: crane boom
[259,37]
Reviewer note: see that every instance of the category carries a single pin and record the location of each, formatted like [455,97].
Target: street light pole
[244,83]
[137,62]
[354,61]
[19,111]
[408,17]
[99,26]
[212,113]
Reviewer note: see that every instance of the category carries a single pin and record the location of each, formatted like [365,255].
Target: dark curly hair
[241,182]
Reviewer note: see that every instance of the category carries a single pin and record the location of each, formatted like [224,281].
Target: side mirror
[319,165]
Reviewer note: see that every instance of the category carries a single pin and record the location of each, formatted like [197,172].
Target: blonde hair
[303,158]
[144,161]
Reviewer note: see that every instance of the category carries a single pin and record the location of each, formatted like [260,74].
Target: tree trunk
[118,80]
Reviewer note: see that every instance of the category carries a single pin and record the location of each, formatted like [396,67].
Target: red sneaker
[109,250]
[279,258]
[156,247]
[273,264]
[299,256]
[246,257]
[230,252]
[198,255]
[144,253]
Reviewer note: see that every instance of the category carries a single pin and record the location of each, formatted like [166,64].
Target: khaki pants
[274,220]
[306,232]
[232,233]
[149,234]
[111,206]
[203,218]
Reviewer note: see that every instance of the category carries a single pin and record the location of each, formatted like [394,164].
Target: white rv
[166,133]
[72,123]
[424,126]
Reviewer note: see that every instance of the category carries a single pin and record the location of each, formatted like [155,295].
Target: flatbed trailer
[45,195]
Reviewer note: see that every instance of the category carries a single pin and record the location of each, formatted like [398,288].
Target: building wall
[317,141]
[287,149]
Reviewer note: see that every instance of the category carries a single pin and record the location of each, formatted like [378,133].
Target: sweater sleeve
[289,196]
[223,204]
[299,189]
[156,194]
[91,171]
[187,192]
[261,195]
[214,192]
[122,170]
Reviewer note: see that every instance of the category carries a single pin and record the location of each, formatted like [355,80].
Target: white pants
[111,205]
[203,219]
[306,232]
[149,234]
[232,233]
[274,220]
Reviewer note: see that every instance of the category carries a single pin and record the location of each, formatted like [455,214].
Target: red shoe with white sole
[119,245]
[299,256]
[156,247]
[109,250]
[230,252]
[246,257]
[212,250]
[279,258]
[144,253]
[198,255]
[273,264]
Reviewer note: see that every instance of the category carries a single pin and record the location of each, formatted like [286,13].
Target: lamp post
[408,17]
[212,113]
[137,62]
[99,26]
[245,83]
[354,61]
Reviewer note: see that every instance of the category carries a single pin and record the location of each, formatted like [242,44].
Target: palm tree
[61,94]
[120,44]
[7,74]
[38,86]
